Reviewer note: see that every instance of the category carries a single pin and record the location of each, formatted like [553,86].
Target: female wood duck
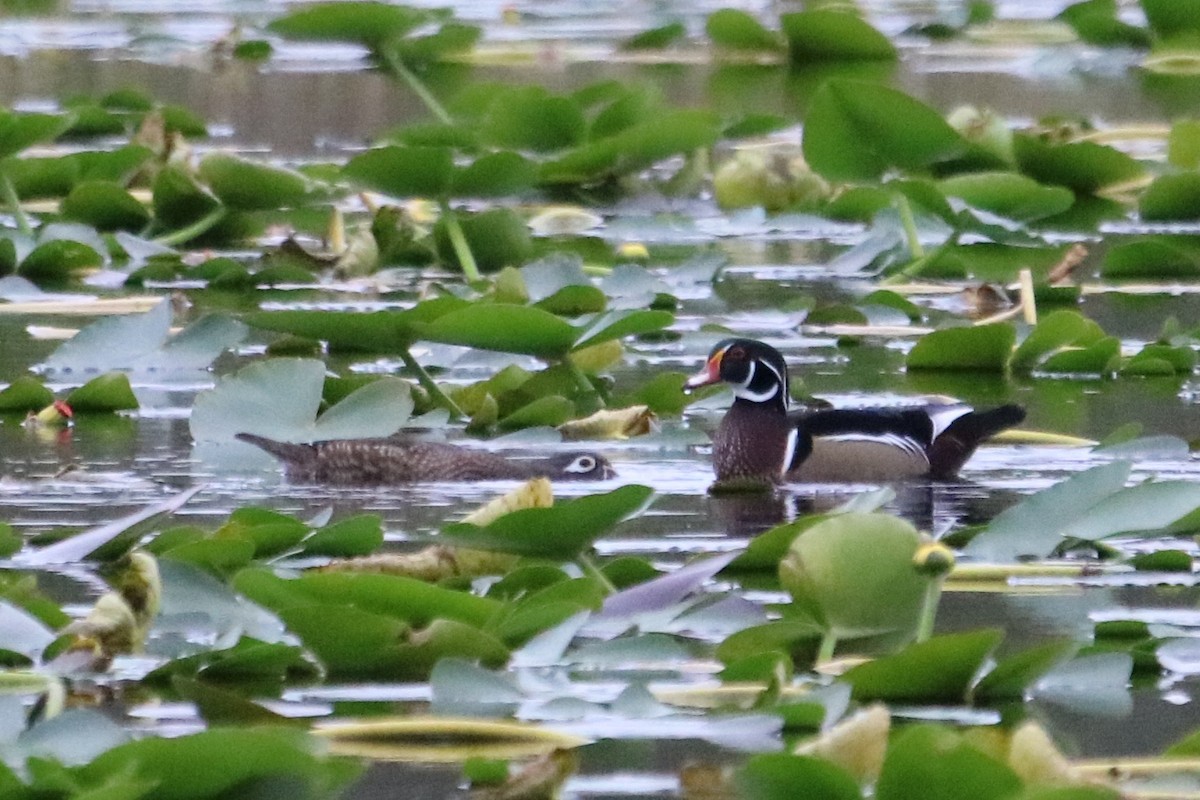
[759,440]
[376,462]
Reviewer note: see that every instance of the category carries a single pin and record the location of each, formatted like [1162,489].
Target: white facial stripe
[741,389]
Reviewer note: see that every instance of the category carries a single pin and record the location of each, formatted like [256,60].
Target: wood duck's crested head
[755,370]
[581,467]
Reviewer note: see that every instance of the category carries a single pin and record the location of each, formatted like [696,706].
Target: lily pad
[984,348]
[829,35]
[562,531]
[939,670]
[928,762]
[889,129]
[854,573]
[280,397]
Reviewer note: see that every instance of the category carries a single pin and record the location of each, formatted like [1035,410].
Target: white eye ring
[583,464]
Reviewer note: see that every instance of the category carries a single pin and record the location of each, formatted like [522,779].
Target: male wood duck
[759,440]
[375,462]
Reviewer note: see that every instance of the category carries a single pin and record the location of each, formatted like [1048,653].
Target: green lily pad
[983,348]
[656,38]
[1169,20]
[504,327]
[928,762]
[370,23]
[1172,197]
[562,531]
[800,640]
[889,129]
[531,118]
[25,393]
[1009,194]
[58,259]
[938,670]
[854,573]
[1183,144]
[1084,167]
[280,397]
[1097,22]
[404,171]
[1151,257]
[351,642]
[497,238]
[103,394]
[551,411]
[737,30]
[220,761]
[180,201]
[408,600]
[826,35]
[1098,358]
[105,206]
[669,133]
[619,324]
[251,186]
[356,536]
[1059,329]
[1033,526]
[777,776]
[19,131]
[1014,675]
[494,175]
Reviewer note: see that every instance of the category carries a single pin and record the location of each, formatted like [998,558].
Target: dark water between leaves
[777,268]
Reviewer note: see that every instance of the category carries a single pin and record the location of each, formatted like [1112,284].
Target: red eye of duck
[737,354]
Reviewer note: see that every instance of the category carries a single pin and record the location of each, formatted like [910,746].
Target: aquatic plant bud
[933,559]
[984,128]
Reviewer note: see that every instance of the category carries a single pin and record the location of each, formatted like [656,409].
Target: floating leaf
[561,531]
[1059,329]
[1152,257]
[405,171]
[854,573]
[251,186]
[503,327]
[889,129]
[435,739]
[1009,195]
[19,131]
[497,238]
[24,394]
[825,35]
[58,260]
[928,762]
[738,30]
[105,206]
[776,776]
[984,348]
[938,670]
[530,118]
[369,23]
[279,398]
[352,642]
[103,394]
[1172,197]
[1084,167]
[273,760]
[1016,674]
[1031,528]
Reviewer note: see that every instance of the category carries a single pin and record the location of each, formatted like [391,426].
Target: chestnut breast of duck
[393,460]
[759,439]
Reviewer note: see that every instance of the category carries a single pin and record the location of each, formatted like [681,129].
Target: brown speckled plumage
[374,462]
